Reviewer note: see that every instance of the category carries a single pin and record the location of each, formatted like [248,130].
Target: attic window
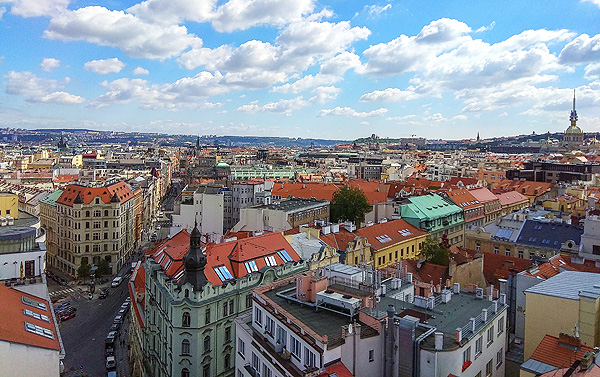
[34,303]
[41,331]
[179,275]
[284,256]
[251,266]
[405,232]
[223,273]
[270,261]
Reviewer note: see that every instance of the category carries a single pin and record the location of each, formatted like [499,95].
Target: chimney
[586,360]
[458,335]
[439,341]
[456,288]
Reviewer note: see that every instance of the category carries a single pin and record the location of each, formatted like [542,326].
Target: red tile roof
[338,369]
[88,194]
[462,198]
[391,229]
[511,197]
[498,266]
[340,239]
[233,254]
[12,325]
[374,191]
[137,287]
[550,351]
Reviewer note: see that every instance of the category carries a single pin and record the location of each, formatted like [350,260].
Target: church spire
[195,261]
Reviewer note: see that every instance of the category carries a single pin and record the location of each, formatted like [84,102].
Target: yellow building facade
[9,205]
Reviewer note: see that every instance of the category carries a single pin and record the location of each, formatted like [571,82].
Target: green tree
[84,271]
[103,268]
[349,203]
[434,251]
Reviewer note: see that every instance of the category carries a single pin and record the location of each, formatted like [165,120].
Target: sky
[332,69]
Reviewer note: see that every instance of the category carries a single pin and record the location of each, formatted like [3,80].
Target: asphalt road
[83,336]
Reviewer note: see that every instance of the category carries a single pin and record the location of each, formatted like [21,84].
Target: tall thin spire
[573,116]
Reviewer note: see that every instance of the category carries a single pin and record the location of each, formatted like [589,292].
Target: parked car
[111,363]
[109,347]
[65,316]
[115,326]
[63,305]
[125,305]
[103,294]
[116,281]
[111,335]
[118,319]
[112,374]
[66,311]
[158,227]
[128,299]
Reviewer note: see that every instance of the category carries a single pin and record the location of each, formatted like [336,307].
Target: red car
[66,316]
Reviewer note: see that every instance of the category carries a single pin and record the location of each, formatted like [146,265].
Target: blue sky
[335,69]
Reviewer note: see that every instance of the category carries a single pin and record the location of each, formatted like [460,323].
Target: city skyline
[330,70]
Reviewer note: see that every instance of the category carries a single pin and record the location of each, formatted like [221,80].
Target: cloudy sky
[333,69]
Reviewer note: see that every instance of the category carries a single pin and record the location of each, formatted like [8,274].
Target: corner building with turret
[192,293]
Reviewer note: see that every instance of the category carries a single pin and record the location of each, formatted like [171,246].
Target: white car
[116,281]
[111,363]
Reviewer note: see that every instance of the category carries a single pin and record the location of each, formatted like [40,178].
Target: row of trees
[85,270]
[350,203]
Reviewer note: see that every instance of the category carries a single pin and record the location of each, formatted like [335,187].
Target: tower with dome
[573,136]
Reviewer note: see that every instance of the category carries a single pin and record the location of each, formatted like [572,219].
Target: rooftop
[293,204]
[569,285]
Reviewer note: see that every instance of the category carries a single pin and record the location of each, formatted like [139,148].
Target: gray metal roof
[537,367]
[568,284]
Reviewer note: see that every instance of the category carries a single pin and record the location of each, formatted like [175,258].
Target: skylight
[270,261]
[179,275]
[41,331]
[31,302]
[405,232]
[35,315]
[383,238]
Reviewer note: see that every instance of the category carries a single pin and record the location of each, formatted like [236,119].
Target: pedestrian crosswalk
[65,292]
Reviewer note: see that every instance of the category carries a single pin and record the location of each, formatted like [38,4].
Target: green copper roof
[428,207]
[52,198]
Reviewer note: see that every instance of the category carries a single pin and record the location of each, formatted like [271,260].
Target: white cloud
[243,14]
[286,106]
[460,117]
[583,49]
[133,36]
[49,64]
[390,95]
[139,71]
[349,112]
[37,8]
[173,12]
[40,90]
[376,10]
[104,66]
[595,2]
[325,94]
[592,71]
[486,28]
[2,11]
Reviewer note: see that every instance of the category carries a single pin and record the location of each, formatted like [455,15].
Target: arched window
[207,343]
[185,372]
[227,359]
[185,347]
[187,293]
[186,319]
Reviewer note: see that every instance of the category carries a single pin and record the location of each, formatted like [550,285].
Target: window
[520,253]
[266,372]
[258,316]
[186,319]
[227,361]
[227,334]
[309,358]
[507,251]
[282,336]
[466,356]
[206,370]
[371,355]
[185,347]
[207,316]
[270,326]
[499,357]
[489,367]
[207,343]
[500,325]
[241,347]
[225,307]
[256,363]
[477,246]
[295,346]
[185,372]
[496,249]
[478,346]
[231,307]
[490,336]
[248,300]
